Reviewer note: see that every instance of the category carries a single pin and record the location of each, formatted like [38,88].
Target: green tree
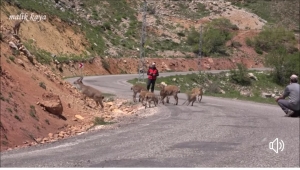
[240,76]
[215,35]
[270,39]
[284,64]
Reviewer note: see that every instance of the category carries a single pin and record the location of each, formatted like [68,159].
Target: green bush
[181,34]
[151,9]
[215,35]
[270,39]
[18,118]
[240,76]
[63,59]
[41,55]
[12,58]
[15,52]
[258,50]
[32,113]
[249,42]
[236,44]
[193,37]
[213,88]
[42,85]
[214,42]
[284,65]
[106,26]
[100,121]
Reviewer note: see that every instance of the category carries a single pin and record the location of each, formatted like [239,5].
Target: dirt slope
[51,34]
[24,122]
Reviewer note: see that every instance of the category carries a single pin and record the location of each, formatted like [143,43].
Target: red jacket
[152,73]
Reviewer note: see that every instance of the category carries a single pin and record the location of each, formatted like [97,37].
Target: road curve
[214,133]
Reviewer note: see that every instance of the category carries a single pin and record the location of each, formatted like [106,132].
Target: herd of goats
[145,97]
[165,92]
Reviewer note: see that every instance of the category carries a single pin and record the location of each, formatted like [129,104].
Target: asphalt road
[214,133]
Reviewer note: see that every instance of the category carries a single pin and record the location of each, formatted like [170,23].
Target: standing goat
[199,92]
[16,26]
[137,88]
[88,91]
[169,90]
[142,95]
[191,97]
[149,97]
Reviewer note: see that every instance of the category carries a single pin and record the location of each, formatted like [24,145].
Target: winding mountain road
[214,133]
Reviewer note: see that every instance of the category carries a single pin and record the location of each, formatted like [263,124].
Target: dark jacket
[152,73]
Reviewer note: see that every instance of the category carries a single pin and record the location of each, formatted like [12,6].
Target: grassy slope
[264,84]
[47,8]
[280,13]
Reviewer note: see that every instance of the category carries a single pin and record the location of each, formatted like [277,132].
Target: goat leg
[101,104]
[167,100]
[200,98]
[97,103]
[134,97]
[176,98]
[84,99]
[162,100]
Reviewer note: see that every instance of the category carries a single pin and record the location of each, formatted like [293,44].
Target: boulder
[222,91]
[50,135]
[109,104]
[118,111]
[266,95]
[79,117]
[13,45]
[246,93]
[163,83]
[20,62]
[210,60]
[52,103]
[251,75]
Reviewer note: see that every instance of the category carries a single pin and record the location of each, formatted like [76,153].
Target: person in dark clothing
[152,74]
[291,107]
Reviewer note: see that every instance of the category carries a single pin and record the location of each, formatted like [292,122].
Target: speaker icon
[275,147]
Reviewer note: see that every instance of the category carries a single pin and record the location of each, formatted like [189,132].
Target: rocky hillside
[38,106]
[109,31]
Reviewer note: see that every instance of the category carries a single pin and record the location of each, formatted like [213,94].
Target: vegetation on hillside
[111,17]
[113,25]
[47,7]
[271,38]
[285,64]
[233,84]
[278,13]
[282,55]
[184,10]
[215,34]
